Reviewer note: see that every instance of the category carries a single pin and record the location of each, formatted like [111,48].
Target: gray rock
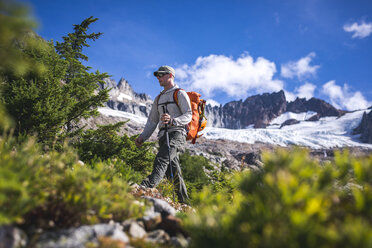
[161,206]
[136,231]
[78,237]
[12,237]
[151,220]
[179,241]
[158,236]
[289,122]
[365,128]
[127,224]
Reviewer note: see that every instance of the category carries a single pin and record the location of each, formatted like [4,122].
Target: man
[166,111]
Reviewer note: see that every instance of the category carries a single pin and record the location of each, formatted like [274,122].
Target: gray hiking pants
[161,167]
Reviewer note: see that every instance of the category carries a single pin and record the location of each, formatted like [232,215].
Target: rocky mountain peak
[365,128]
[257,110]
[124,87]
[315,105]
[123,97]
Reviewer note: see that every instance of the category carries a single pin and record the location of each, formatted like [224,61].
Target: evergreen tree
[51,103]
[81,85]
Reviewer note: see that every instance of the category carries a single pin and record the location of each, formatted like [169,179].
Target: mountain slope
[311,123]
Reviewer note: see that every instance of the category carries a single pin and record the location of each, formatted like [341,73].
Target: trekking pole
[170,161]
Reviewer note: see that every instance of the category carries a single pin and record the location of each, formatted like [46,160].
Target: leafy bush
[54,189]
[194,174]
[193,171]
[105,143]
[293,202]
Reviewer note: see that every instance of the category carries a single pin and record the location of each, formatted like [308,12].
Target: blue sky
[228,50]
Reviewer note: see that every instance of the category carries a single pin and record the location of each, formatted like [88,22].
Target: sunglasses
[161,74]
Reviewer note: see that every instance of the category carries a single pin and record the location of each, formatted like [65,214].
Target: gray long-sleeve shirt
[181,115]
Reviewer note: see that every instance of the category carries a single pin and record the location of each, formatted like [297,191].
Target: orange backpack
[198,121]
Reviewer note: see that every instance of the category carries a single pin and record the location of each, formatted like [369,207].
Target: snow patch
[117,113]
[328,132]
[290,115]
[123,96]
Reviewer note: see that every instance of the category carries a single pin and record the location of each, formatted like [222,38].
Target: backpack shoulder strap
[175,95]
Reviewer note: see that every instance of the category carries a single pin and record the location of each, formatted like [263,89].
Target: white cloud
[237,78]
[361,30]
[300,69]
[342,98]
[289,96]
[306,91]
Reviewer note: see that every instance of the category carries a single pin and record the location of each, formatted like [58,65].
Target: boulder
[12,237]
[172,225]
[136,231]
[80,236]
[249,158]
[158,236]
[289,122]
[161,206]
[151,220]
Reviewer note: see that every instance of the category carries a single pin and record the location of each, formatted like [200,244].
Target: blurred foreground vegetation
[293,202]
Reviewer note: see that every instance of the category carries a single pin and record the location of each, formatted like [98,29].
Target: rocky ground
[158,226]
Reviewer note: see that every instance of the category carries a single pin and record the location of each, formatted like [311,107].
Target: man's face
[164,79]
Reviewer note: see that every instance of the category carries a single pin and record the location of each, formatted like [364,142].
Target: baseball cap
[165,69]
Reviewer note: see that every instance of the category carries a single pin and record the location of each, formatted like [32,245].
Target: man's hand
[139,141]
[165,118]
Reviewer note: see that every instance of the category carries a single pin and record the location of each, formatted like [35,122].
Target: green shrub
[293,202]
[53,189]
[105,143]
[193,171]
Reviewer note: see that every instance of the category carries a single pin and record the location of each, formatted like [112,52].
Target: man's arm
[151,124]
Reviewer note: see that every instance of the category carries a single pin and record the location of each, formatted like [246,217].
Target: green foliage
[105,143]
[54,188]
[194,174]
[193,171]
[14,23]
[37,101]
[51,99]
[293,202]
[81,84]
[5,121]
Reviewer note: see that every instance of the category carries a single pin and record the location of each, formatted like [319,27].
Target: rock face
[301,105]
[256,110]
[122,97]
[289,122]
[365,128]
[259,110]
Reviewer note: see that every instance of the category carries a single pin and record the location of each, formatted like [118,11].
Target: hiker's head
[165,70]
[165,75]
